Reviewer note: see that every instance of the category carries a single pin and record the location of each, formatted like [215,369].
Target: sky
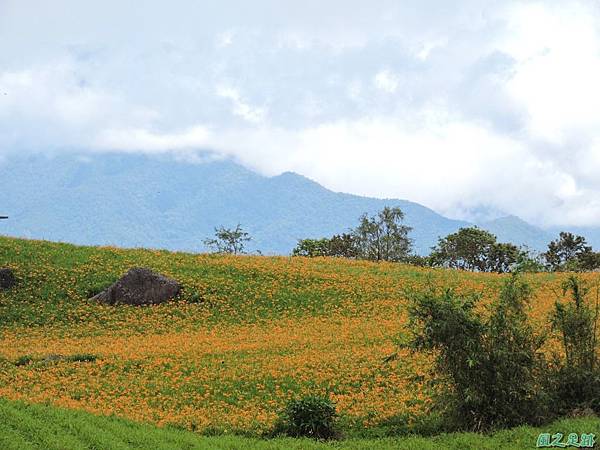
[472,108]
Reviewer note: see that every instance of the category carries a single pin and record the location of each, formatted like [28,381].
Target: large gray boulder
[7,279]
[139,286]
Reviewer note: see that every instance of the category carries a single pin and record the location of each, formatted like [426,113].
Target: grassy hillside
[247,334]
[43,427]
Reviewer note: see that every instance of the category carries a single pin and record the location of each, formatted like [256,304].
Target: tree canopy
[476,250]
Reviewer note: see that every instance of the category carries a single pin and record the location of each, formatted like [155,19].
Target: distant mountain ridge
[158,202]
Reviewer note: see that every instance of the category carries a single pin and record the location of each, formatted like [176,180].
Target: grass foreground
[44,427]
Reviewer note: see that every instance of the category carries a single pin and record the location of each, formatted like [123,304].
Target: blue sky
[463,106]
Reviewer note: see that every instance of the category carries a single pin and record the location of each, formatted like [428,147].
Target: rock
[7,279]
[139,286]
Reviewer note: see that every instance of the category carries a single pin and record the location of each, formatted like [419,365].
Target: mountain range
[158,202]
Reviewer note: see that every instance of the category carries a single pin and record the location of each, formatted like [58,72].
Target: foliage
[96,288]
[339,245]
[576,381]
[502,257]
[588,260]
[382,237]
[227,240]
[310,416]
[418,260]
[476,250]
[570,253]
[342,245]
[53,358]
[529,261]
[312,247]
[23,360]
[81,357]
[490,363]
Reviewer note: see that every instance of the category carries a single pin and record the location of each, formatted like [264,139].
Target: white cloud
[152,142]
[225,39]
[440,164]
[491,104]
[558,67]
[386,81]
[240,108]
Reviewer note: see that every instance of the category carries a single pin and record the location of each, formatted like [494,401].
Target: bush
[489,365]
[575,380]
[23,360]
[311,416]
[96,288]
[81,357]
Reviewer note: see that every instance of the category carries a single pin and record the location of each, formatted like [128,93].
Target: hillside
[247,334]
[154,202]
[509,228]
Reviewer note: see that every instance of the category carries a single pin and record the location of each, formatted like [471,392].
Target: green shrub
[196,297]
[53,358]
[23,360]
[488,364]
[96,288]
[311,416]
[81,357]
[575,381]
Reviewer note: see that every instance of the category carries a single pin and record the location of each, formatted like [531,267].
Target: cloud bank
[461,107]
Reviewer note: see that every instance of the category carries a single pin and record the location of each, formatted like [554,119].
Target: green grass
[55,281]
[24,426]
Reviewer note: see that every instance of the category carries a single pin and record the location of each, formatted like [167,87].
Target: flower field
[247,334]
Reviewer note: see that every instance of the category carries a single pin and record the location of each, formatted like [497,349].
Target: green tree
[228,240]
[529,261]
[339,245]
[588,260]
[477,250]
[568,252]
[502,257]
[382,237]
[342,245]
[467,249]
[312,247]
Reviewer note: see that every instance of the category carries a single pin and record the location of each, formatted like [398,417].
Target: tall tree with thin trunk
[382,237]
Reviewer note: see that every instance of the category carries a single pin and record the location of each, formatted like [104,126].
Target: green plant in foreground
[311,416]
[488,364]
[575,382]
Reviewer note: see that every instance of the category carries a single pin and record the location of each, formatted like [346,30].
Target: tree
[342,245]
[569,252]
[502,257]
[468,249]
[529,261]
[228,241]
[312,247]
[588,260]
[477,250]
[382,237]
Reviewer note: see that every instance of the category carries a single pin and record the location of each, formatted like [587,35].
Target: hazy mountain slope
[132,200]
[515,230]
